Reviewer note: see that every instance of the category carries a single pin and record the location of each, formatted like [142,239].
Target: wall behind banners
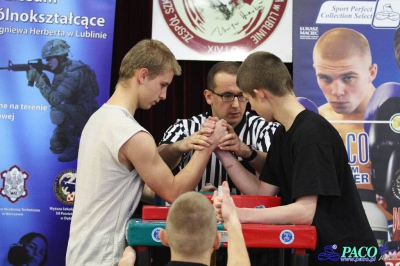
[378,22]
[34,183]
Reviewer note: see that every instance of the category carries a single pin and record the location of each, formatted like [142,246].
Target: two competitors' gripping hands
[220,131]
[230,141]
[209,135]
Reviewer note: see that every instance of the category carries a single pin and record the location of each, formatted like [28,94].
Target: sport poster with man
[346,67]
[55,70]
[220,30]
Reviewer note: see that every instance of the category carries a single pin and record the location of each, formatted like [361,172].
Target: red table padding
[150,212]
[279,236]
[299,237]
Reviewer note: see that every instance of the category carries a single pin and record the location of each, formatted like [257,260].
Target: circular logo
[395,123]
[155,234]
[222,26]
[286,237]
[64,186]
[396,184]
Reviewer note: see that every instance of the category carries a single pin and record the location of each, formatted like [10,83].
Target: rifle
[35,63]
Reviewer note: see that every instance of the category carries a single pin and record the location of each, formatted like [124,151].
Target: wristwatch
[252,156]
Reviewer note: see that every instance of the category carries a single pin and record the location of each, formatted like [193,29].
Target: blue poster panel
[346,58]
[55,70]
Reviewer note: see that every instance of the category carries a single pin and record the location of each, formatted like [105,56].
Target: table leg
[143,256]
[299,258]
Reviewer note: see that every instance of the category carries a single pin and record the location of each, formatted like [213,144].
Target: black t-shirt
[311,159]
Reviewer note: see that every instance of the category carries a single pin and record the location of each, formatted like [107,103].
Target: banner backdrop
[223,30]
[41,118]
[361,100]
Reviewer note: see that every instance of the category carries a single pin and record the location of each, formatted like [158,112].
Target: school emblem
[286,237]
[155,234]
[64,186]
[222,26]
[14,184]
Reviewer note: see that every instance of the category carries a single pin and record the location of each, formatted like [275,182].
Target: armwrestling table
[142,233]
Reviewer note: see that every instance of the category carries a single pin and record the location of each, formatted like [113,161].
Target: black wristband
[252,156]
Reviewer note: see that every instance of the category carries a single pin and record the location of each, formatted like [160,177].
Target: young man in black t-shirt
[307,165]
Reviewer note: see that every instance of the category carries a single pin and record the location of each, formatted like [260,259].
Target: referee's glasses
[229,97]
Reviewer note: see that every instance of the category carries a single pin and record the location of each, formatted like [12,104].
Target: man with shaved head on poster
[345,72]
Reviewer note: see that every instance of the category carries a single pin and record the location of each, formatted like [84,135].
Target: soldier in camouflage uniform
[71,96]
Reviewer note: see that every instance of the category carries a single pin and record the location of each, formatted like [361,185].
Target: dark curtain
[185,98]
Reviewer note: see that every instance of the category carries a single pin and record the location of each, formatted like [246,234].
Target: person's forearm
[170,154]
[237,251]
[259,161]
[294,213]
[147,195]
[188,178]
[245,181]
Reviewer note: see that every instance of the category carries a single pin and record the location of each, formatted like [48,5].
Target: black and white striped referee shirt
[252,130]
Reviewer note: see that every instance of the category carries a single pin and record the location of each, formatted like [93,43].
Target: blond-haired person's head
[191,229]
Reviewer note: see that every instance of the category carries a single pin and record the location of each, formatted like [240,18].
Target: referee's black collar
[239,127]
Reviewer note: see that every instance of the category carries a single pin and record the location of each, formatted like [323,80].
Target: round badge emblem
[396,185]
[222,26]
[64,186]
[155,234]
[395,123]
[286,237]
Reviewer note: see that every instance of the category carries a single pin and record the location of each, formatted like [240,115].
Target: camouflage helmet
[55,47]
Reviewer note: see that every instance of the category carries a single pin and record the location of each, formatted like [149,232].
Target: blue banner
[55,70]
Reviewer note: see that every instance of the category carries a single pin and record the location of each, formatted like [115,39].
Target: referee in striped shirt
[249,139]
[249,134]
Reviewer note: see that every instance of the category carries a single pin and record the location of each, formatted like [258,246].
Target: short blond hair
[264,70]
[150,54]
[341,43]
[191,225]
